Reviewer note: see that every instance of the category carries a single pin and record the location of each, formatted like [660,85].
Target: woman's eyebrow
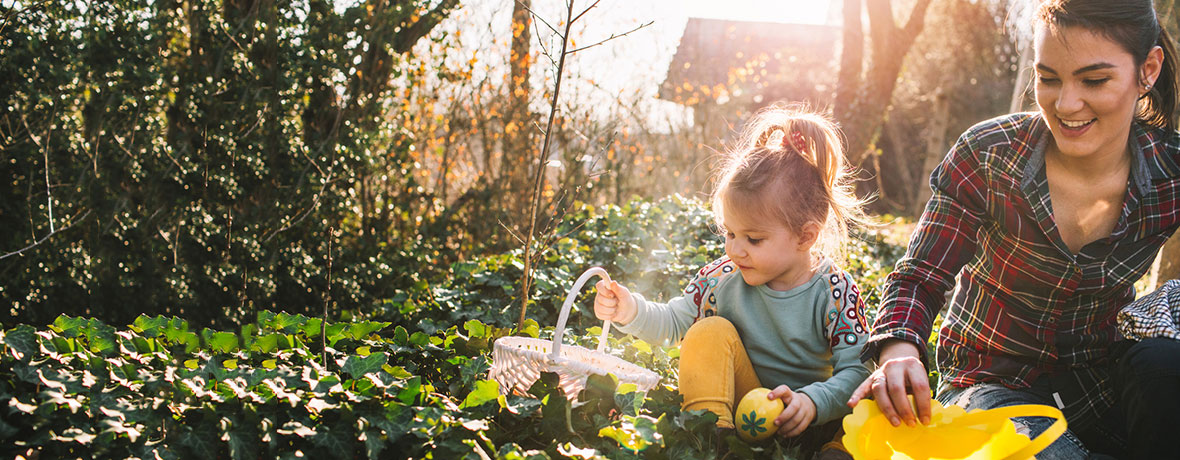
[1089,68]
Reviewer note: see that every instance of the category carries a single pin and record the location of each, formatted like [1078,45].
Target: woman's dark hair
[1134,26]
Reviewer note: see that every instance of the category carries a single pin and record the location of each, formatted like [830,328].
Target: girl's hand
[901,372]
[798,414]
[614,302]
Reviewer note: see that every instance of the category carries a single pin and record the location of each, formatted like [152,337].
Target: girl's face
[1087,88]
[768,253]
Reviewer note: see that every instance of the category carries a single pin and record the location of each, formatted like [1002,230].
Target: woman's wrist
[898,348]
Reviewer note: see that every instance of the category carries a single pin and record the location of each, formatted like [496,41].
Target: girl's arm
[660,323]
[666,323]
[846,332]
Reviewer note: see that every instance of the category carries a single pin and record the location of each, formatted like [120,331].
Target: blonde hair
[789,166]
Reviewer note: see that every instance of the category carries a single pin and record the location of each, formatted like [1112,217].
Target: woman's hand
[614,302]
[900,372]
[798,413]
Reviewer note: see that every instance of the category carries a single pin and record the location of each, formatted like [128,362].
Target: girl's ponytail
[790,165]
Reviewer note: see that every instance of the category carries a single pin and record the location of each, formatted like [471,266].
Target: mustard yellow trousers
[715,371]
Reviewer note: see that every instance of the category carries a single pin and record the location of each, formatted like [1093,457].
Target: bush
[649,246]
[652,247]
[190,158]
[414,386]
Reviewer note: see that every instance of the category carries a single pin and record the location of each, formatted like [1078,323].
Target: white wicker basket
[517,362]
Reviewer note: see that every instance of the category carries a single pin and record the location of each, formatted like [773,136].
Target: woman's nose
[1069,99]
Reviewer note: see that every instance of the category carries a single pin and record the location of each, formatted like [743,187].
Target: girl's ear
[809,235]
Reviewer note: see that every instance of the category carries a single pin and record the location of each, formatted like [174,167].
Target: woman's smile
[1075,129]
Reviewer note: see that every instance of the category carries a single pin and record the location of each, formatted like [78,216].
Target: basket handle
[1024,410]
[565,311]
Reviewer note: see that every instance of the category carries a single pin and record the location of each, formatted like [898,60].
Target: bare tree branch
[45,154]
[544,51]
[46,237]
[408,36]
[539,18]
[917,19]
[511,232]
[583,13]
[48,194]
[540,174]
[613,36]
[291,221]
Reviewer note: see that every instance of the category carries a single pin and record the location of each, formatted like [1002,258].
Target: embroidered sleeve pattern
[845,320]
[700,290]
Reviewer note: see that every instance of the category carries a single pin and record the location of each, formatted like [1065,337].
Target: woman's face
[1087,88]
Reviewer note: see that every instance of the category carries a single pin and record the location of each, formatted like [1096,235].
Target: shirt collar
[1140,175]
[1159,151]
[1143,169]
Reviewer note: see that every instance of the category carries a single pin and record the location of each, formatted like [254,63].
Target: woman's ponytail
[1159,107]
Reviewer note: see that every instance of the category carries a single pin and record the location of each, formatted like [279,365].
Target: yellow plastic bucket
[952,434]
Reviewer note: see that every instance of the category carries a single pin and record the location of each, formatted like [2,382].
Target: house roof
[719,60]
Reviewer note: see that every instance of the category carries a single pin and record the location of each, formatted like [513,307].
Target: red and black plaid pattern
[1025,305]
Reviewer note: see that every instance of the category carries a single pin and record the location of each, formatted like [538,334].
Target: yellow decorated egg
[754,418]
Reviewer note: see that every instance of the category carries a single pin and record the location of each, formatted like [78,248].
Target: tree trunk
[1170,255]
[862,102]
[1168,267]
[935,150]
[517,146]
[851,61]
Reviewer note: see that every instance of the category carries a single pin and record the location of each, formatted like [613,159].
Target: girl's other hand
[798,413]
[900,373]
[613,302]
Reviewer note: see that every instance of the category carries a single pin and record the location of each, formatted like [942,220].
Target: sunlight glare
[785,11]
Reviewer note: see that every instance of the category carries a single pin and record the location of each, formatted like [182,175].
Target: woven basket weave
[517,362]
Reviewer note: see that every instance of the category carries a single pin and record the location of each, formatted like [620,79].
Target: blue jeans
[1147,408]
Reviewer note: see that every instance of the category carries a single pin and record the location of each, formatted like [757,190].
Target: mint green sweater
[808,338]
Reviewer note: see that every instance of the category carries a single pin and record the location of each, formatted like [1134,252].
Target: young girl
[776,311]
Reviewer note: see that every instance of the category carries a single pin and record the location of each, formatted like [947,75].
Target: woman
[1048,219]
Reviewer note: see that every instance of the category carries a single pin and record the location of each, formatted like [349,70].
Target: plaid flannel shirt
[1025,305]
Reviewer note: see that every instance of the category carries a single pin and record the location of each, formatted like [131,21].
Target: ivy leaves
[157,388]
[82,386]
[414,386]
